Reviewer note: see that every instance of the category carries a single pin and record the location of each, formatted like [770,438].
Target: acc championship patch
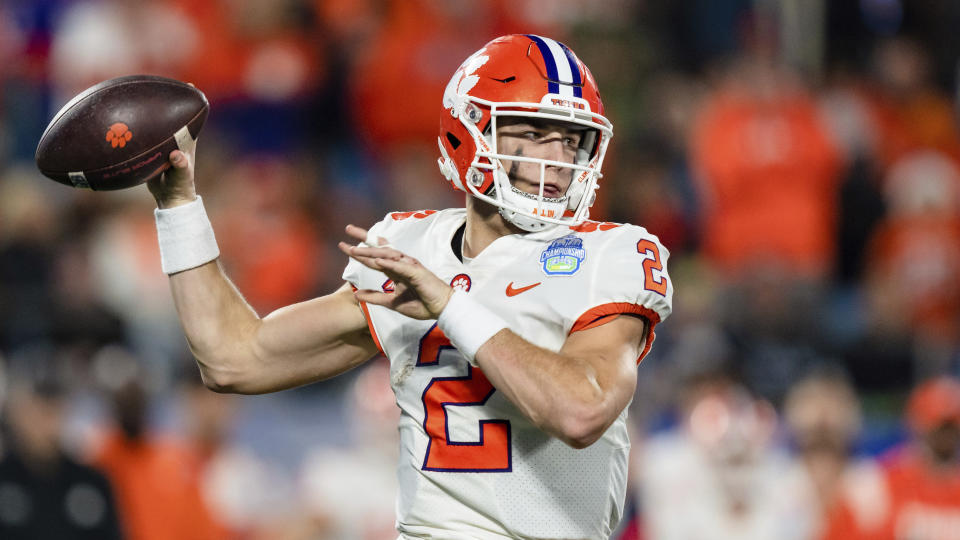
[563,256]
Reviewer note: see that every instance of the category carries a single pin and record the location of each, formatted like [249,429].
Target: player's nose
[552,148]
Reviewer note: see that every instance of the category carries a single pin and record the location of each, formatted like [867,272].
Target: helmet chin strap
[523,211]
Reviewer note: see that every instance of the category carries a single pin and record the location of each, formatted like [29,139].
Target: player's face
[535,138]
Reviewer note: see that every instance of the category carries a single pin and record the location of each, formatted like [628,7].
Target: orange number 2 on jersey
[651,264]
[492,452]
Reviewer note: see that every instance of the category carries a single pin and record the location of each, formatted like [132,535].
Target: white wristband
[185,236]
[468,324]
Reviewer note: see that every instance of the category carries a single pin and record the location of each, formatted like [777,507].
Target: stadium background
[798,158]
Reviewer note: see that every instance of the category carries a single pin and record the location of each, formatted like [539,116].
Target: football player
[513,326]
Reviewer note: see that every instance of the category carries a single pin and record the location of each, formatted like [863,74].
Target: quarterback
[513,326]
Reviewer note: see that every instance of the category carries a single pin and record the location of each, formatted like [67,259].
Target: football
[119,133]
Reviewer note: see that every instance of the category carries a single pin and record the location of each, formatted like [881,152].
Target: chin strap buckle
[447,168]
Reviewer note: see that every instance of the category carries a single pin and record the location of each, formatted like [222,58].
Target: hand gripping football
[120,132]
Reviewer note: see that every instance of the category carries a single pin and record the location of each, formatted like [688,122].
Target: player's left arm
[574,394]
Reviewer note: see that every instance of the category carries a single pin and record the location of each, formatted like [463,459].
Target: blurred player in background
[513,326]
[718,474]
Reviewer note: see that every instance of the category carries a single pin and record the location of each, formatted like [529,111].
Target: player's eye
[572,141]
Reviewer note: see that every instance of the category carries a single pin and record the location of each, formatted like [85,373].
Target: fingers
[371,257]
[371,296]
[393,263]
[357,233]
[419,293]
[405,267]
[174,186]
[381,253]
[348,250]
[363,235]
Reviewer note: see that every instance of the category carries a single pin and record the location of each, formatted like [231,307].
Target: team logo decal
[118,135]
[461,282]
[563,256]
[465,78]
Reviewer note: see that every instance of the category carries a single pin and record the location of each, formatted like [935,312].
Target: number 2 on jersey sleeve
[492,452]
[652,264]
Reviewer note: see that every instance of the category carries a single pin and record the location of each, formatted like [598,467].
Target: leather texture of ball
[120,132]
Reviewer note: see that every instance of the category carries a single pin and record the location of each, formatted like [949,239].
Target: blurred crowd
[800,160]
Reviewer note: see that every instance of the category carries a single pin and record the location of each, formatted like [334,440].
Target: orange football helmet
[528,76]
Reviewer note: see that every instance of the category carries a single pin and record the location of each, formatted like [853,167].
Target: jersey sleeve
[399,229]
[396,228]
[361,277]
[356,273]
[631,278]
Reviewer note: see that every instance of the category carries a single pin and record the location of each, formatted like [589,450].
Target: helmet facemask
[535,80]
[528,211]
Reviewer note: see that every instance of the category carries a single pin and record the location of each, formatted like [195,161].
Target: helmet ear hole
[454,141]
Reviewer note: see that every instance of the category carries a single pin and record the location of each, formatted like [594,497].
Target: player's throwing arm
[143,128]
[237,351]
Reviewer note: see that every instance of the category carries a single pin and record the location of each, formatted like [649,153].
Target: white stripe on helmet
[563,67]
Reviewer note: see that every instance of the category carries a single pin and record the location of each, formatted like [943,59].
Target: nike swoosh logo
[513,292]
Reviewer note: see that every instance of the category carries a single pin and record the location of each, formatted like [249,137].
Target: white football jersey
[471,465]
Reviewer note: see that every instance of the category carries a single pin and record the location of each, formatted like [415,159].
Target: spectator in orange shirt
[156,487]
[768,175]
[908,111]
[248,497]
[913,263]
[767,178]
[920,495]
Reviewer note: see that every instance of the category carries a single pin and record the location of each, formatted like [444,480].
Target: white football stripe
[563,67]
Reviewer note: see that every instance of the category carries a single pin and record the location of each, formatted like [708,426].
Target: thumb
[179,159]
[371,296]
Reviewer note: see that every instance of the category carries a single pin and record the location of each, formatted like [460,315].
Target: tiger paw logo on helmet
[531,77]
[118,135]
